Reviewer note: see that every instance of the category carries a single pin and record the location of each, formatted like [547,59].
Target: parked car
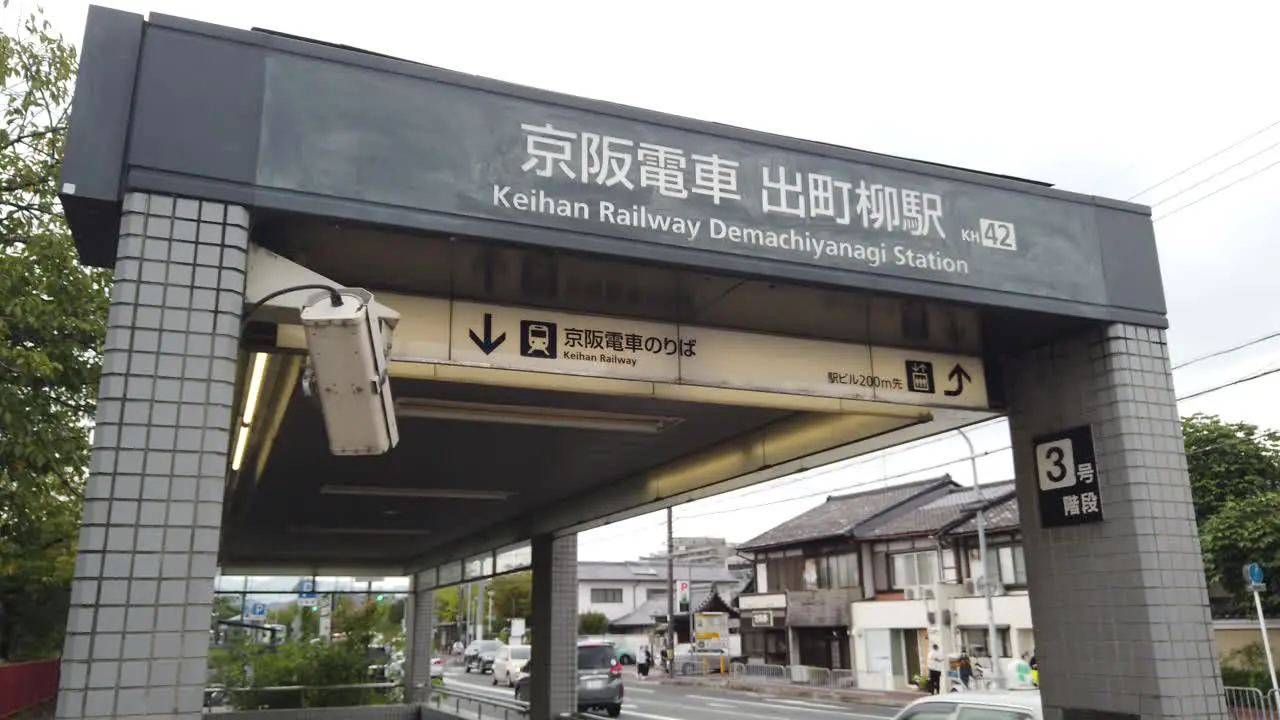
[599,679]
[1001,704]
[479,656]
[509,663]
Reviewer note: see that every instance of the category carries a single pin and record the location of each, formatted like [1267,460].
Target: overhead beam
[781,449]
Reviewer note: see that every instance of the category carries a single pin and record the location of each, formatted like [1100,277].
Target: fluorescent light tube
[315,530]
[412,492]
[255,386]
[242,441]
[531,415]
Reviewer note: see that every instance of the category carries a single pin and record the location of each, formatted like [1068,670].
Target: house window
[1008,564]
[652,593]
[838,571]
[880,571]
[785,573]
[606,596]
[917,568]
[974,641]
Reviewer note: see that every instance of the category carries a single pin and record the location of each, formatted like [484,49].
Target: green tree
[52,321]
[446,604]
[1228,461]
[593,623]
[1244,530]
[226,607]
[512,598]
[1235,487]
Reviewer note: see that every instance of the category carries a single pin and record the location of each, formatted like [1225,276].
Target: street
[651,700]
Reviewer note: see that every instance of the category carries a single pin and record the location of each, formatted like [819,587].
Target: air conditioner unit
[971,587]
[918,592]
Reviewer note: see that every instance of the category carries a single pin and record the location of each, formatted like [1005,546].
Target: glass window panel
[450,574]
[516,557]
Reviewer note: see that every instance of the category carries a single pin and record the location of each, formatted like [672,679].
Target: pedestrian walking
[935,670]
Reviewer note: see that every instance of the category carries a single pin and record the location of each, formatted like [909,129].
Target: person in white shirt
[935,670]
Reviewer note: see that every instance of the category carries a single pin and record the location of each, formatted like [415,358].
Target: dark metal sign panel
[392,139]
[1067,478]
[282,124]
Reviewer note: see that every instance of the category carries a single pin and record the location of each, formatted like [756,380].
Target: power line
[1237,381]
[1189,168]
[1227,351]
[1221,172]
[938,466]
[1231,184]
[1264,434]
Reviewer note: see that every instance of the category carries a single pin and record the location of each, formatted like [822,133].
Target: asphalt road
[651,700]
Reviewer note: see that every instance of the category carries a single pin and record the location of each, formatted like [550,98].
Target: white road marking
[647,716]
[806,703]
[632,688]
[739,706]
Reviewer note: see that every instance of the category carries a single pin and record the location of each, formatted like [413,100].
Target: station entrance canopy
[599,309]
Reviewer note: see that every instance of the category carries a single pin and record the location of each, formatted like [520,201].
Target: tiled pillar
[554,661]
[1120,608]
[420,638]
[138,629]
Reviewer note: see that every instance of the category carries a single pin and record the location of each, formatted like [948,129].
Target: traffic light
[379,598]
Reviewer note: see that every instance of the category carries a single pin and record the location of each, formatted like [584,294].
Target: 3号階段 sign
[1067,478]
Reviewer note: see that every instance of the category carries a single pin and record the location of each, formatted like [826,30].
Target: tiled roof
[841,514]
[937,514]
[643,615]
[1000,517]
[652,572]
[657,607]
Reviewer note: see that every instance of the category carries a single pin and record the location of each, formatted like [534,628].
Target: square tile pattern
[1120,607]
[420,632]
[554,626]
[138,628]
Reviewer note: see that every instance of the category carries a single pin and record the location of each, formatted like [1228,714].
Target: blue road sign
[1253,573]
[258,610]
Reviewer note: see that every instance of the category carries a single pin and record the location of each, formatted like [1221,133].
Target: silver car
[976,705]
[599,678]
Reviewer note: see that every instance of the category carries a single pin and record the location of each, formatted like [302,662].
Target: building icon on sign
[538,339]
[920,376]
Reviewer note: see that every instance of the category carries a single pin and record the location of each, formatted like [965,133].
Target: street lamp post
[993,638]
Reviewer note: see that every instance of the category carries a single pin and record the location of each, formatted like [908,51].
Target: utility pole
[671,586]
[466,616]
[993,637]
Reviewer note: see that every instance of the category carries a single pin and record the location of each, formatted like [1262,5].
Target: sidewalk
[890,698]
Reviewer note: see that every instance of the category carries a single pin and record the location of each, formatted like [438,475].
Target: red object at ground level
[24,685]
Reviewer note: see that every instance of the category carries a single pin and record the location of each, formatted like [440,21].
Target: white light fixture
[532,415]
[411,492]
[255,386]
[251,395]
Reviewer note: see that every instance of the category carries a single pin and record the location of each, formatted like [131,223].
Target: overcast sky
[1104,98]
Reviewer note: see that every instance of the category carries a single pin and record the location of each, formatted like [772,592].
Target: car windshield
[489,645]
[595,657]
[520,652]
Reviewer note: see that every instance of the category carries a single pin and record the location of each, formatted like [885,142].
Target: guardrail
[1246,703]
[763,675]
[299,697]
[24,685]
[467,703]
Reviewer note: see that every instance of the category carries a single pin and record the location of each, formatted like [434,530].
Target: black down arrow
[489,343]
